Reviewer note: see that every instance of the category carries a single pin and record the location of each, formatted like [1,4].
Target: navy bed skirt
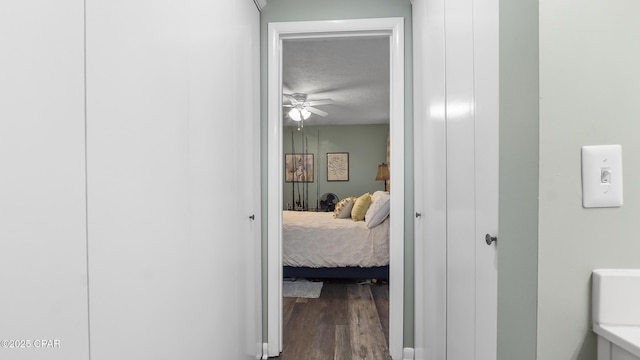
[378,272]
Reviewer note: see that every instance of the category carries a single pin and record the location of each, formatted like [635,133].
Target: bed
[315,245]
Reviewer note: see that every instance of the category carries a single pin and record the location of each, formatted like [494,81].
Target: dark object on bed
[328,202]
[377,272]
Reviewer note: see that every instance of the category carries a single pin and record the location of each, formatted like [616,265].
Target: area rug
[301,289]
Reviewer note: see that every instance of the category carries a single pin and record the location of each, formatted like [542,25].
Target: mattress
[316,239]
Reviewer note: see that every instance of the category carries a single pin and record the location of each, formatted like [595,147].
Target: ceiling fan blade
[288,105]
[316,111]
[320,102]
[291,98]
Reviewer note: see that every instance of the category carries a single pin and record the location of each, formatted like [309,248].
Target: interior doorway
[335,139]
[392,28]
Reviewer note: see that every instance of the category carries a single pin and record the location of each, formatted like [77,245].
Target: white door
[456,77]
[247,145]
[171,99]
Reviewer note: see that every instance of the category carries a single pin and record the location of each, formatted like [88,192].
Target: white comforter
[316,239]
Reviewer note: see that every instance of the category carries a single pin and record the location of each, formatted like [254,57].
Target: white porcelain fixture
[616,313]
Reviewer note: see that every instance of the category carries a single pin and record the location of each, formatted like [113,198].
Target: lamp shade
[383,172]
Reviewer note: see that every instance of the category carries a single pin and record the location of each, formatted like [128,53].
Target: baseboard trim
[408,354]
[265,351]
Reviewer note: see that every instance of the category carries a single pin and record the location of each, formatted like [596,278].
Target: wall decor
[338,166]
[298,168]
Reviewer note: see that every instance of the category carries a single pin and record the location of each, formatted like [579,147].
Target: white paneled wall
[146,249]
[43,273]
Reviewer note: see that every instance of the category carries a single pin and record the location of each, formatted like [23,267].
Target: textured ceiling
[353,72]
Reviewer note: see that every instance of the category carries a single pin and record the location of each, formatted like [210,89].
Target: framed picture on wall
[298,168]
[338,166]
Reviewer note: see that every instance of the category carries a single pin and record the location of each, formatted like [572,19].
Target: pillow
[379,209]
[343,208]
[379,195]
[360,207]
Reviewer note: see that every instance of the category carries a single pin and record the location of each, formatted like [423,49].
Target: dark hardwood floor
[349,321]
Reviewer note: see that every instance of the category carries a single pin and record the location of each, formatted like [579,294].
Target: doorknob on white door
[489,239]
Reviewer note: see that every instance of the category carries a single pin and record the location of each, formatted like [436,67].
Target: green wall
[367,148]
[589,95]
[568,78]
[304,10]
[518,204]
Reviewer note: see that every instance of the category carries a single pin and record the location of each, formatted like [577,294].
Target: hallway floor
[349,321]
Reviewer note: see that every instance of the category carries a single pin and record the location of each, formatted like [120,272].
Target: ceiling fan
[301,109]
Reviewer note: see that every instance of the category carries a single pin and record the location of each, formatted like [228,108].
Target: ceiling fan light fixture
[294,114]
[299,114]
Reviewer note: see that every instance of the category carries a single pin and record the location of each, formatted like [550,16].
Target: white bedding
[316,239]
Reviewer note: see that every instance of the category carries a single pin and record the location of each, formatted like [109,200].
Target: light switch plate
[602,176]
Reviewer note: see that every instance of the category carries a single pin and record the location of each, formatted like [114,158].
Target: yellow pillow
[360,207]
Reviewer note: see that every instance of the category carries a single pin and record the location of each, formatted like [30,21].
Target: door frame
[277,32]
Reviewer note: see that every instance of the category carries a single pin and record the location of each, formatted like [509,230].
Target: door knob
[489,239]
